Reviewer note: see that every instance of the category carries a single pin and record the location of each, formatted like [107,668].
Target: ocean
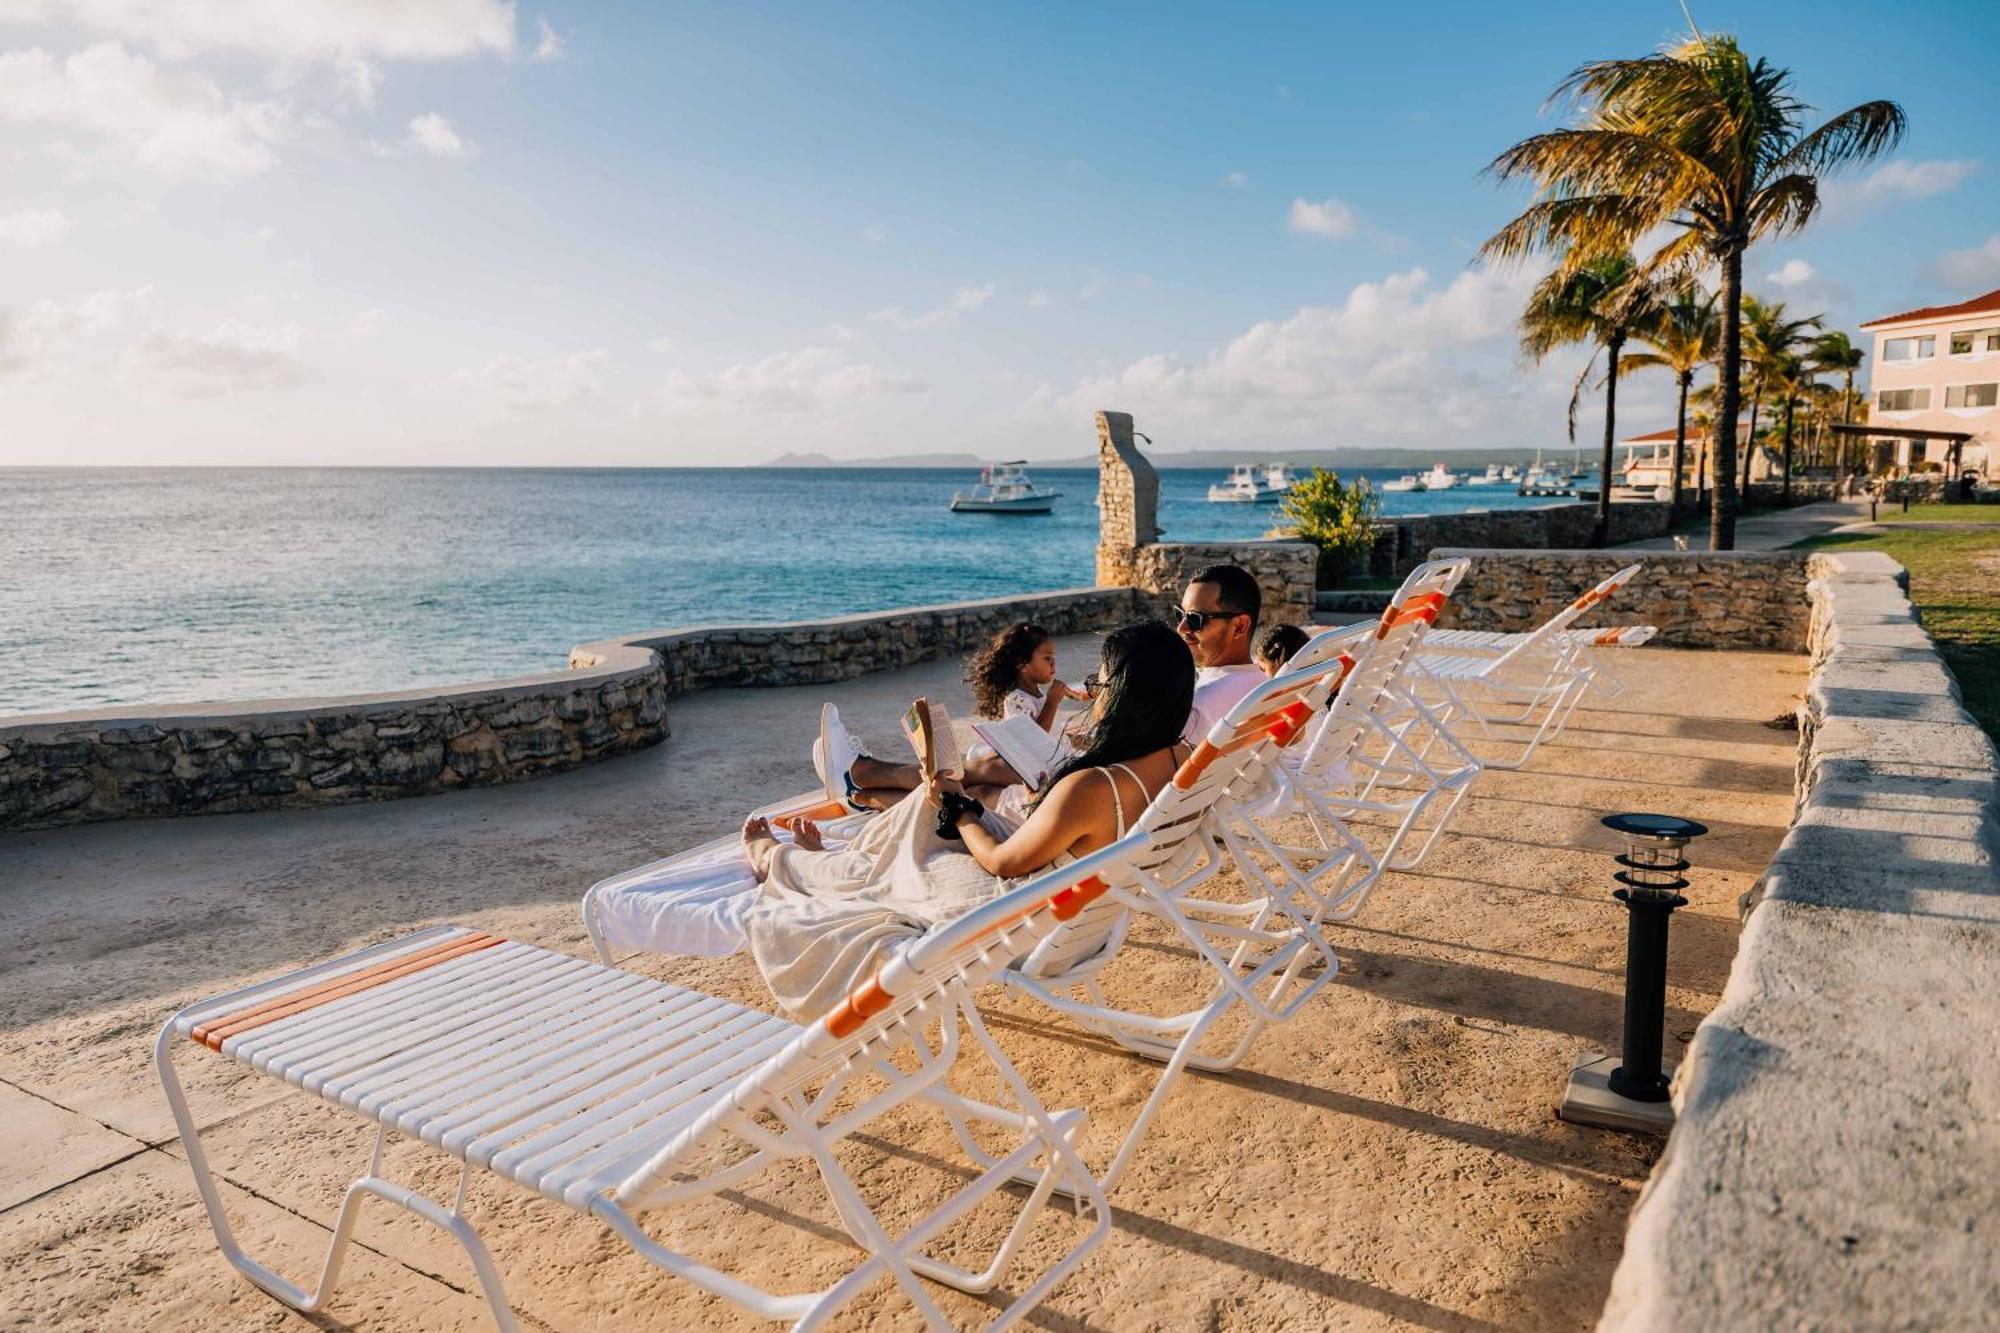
[128,586]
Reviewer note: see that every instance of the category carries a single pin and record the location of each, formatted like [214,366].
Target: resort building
[1934,386]
[1648,464]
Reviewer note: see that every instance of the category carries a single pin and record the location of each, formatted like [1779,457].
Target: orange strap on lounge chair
[213,1034]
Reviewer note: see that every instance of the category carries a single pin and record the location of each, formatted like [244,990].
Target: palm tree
[1770,343]
[1604,302]
[1833,352]
[1701,414]
[1683,339]
[1790,376]
[1700,137]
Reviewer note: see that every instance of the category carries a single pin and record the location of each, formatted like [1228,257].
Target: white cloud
[875,235]
[548,45]
[330,32]
[1891,184]
[173,123]
[34,338]
[1792,273]
[433,134]
[1038,299]
[521,385]
[1329,218]
[1398,361]
[1975,268]
[1237,180]
[32,227]
[662,344]
[965,301]
[235,356]
[790,382]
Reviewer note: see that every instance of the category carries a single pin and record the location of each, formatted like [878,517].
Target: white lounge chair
[610,1093]
[1534,681]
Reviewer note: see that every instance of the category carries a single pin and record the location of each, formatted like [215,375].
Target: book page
[1032,753]
[928,726]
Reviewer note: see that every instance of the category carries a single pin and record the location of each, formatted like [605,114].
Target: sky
[466,232]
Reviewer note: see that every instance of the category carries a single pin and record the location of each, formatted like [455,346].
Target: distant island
[1411,460]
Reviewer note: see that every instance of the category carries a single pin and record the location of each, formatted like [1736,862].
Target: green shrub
[1338,518]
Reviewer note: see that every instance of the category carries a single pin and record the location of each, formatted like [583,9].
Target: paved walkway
[1773,531]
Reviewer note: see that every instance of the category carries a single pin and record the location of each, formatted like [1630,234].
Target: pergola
[1954,439]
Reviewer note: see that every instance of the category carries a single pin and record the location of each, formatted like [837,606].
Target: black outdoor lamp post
[1629,1091]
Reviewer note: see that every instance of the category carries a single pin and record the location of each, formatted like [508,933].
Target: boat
[1440,478]
[1246,485]
[1409,481]
[1004,488]
[1511,475]
[1279,477]
[1491,477]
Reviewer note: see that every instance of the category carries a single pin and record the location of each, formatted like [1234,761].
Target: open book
[1032,753]
[928,726]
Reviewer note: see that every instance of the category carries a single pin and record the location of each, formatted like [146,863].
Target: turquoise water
[173,585]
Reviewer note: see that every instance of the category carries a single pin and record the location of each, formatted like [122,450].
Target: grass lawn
[1955,585]
[1942,513]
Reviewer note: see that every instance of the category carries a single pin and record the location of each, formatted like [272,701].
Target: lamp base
[1589,1100]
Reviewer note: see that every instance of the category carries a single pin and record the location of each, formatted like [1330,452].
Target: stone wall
[1130,556]
[1128,500]
[1404,542]
[708,657]
[1699,599]
[129,763]
[1284,572]
[1834,1160]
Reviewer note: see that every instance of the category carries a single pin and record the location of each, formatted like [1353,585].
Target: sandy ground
[1388,1160]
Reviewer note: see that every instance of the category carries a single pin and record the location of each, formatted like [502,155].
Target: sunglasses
[1198,620]
[1093,683]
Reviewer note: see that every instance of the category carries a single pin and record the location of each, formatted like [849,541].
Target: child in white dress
[1015,674]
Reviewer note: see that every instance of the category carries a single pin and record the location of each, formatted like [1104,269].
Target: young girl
[1016,673]
[1278,646]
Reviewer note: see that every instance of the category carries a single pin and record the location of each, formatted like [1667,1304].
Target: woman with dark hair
[825,918]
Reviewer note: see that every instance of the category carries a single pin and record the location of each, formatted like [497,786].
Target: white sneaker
[834,754]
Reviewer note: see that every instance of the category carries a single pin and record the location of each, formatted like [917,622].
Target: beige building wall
[1918,382]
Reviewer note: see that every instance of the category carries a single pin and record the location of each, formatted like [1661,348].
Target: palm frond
[1784,205]
[1858,134]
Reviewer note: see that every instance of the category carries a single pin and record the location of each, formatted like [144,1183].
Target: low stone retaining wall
[1699,599]
[1837,1158]
[817,652]
[1405,541]
[132,763]
[143,762]
[1284,571]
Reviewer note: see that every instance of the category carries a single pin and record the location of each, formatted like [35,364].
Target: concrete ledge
[1837,1158]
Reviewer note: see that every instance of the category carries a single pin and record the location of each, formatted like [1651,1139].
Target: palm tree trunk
[1686,378]
[1785,496]
[1722,514]
[1610,435]
[1750,444]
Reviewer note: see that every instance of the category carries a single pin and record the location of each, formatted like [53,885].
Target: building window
[1909,349]
[1967,341]
[1902,400]
[1971,395]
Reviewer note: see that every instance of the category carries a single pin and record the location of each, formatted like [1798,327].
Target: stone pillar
[1128,500]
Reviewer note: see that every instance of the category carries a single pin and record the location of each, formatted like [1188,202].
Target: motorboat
[1511,475]
[1279,477]
[1409,481]
[1004,488]
[1440,478]
[1246,485]
[1491,477]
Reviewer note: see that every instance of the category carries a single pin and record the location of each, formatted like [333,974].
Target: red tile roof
[1978,305]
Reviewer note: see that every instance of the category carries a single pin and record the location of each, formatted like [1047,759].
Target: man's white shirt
[1217,690]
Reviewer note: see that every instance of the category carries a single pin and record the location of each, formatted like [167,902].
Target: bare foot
[760,845]
[806,836]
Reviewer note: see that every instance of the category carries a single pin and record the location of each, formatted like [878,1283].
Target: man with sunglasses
[1218,623]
